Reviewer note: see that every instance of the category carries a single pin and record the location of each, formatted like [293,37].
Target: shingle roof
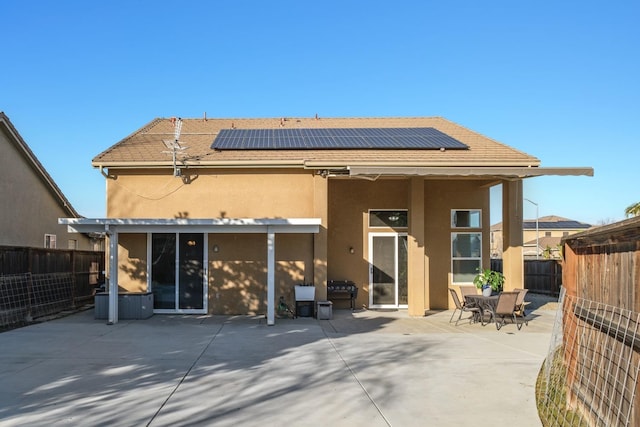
[146,147]
[564,224]
[550,222]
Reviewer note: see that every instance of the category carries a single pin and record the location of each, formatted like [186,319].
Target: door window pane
[384,270]
[163,270]
[191,271]
[403,263]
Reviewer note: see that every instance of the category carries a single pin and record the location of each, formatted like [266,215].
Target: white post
[113,275]
[271,277]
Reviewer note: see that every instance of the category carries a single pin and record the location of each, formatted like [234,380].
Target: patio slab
[361,368]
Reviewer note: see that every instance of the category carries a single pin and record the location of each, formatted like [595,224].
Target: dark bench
[342,289]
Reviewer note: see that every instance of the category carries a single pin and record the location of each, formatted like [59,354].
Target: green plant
[494,279]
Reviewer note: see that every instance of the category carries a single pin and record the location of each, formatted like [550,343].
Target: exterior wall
[238,269]
[29,210]
[132,261]
[440,198]
[349,204]
[211,194]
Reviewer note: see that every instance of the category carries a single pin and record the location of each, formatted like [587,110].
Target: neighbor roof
[553,222]
[147,147]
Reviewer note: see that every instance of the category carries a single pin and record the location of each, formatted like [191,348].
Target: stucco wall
[349,204]
[211,194]
[28,210]
[132,261]
[238,275]
[440,198]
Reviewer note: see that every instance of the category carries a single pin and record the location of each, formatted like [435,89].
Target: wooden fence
[602,269]
[540,276]
[37,281]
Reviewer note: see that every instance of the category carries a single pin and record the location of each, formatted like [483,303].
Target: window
[50,241]
[466,256]
[547,234]
[466,218]
[388,218]
[466,247]
[73,244]
[565,233]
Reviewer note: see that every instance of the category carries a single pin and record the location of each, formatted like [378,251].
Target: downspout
[106,174]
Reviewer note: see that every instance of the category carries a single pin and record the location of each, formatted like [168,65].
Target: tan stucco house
[542,236]
[31,200]
[233,214]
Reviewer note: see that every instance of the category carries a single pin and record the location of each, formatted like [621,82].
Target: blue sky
[558,80]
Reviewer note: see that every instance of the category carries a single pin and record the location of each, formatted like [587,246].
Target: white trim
[213,225]
[396,236]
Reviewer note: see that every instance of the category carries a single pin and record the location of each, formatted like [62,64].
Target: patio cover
[480,171]
[269,226]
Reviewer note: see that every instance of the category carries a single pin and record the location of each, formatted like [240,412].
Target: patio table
[486,304]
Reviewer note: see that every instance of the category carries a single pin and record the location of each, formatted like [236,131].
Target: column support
[512,256]
[417,267]
[113,274]
[271,275]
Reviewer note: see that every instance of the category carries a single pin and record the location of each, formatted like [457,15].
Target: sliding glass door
[178,273]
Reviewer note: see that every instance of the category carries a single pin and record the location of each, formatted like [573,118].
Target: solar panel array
[335,139]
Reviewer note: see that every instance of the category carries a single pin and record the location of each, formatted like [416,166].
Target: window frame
[402,211]
[455,226]
[472,230]
[50,241]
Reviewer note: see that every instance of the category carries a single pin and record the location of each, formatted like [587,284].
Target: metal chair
[462,308]
[506,307]
[468,290]
[521,305]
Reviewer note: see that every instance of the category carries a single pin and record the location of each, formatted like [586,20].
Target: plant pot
[486,291]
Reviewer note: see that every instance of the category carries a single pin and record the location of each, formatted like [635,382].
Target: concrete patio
[362,368]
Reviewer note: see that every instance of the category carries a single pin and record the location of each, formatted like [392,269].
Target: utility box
[325,310]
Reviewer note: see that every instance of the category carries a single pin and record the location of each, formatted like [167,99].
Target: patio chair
[521,305]
[468,290]
[462,308]
[506,307]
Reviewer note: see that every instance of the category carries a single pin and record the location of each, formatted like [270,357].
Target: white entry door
[388,270]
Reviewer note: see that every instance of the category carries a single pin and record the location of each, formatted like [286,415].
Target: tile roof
[145,146]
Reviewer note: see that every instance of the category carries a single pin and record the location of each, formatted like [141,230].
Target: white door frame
[396,235]
[205,278]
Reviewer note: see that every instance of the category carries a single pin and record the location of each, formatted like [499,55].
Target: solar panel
[335,139]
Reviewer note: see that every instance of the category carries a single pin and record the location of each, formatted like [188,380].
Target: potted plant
[489,281]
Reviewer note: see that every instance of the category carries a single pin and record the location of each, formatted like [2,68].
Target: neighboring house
[541,238]
[240,210]
[31,200]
